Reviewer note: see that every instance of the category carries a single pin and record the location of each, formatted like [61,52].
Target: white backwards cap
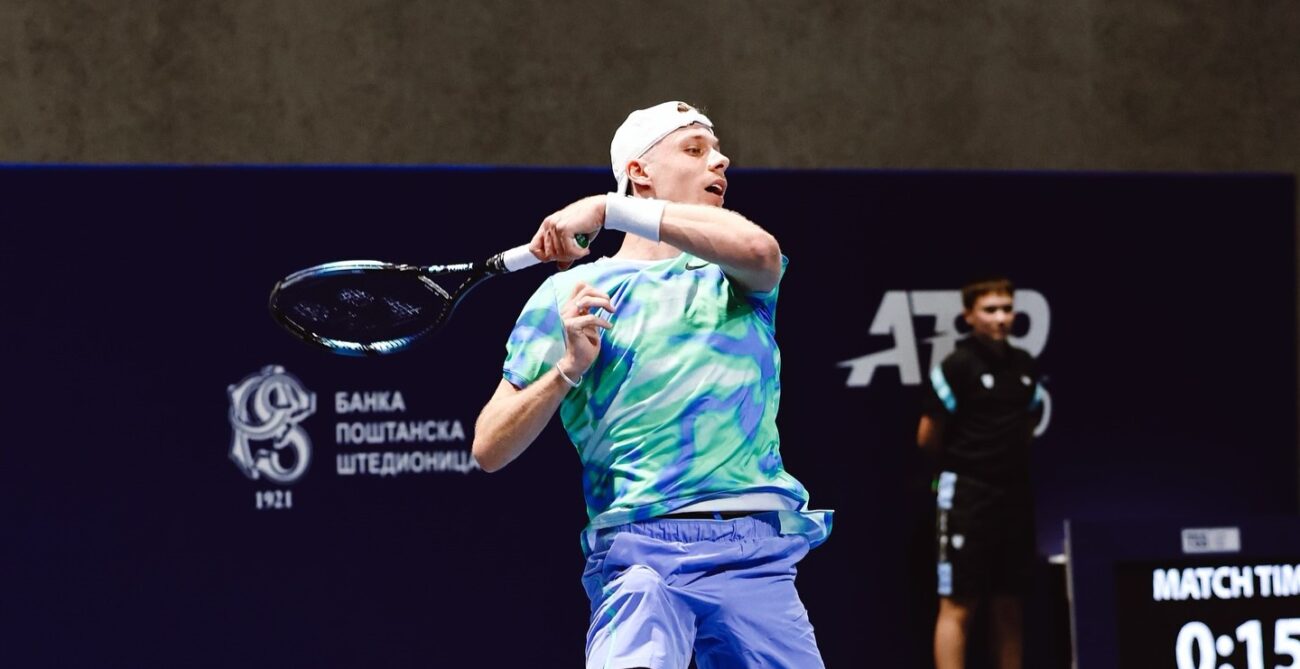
[644,128]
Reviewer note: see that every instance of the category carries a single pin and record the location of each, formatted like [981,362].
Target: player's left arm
[749,255]
[1037,405]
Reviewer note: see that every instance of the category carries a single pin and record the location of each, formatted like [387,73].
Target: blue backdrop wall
[1161,307]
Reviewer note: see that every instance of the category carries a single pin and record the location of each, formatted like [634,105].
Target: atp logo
[894,318]
[268,406]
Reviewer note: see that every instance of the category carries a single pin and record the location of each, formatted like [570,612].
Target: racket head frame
[474,272]
[507,261]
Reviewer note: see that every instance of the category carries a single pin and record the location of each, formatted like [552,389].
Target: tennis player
[664,368]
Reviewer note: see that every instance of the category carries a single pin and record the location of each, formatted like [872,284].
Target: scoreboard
[1190,595]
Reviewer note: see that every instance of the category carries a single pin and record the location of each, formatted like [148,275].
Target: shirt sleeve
[764,302]
[940,398]
[537,341]
[1036,401]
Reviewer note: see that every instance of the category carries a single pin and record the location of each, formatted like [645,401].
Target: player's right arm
[938,403]
[929,433]
[514,416]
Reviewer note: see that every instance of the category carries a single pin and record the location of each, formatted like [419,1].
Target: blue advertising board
[155,521]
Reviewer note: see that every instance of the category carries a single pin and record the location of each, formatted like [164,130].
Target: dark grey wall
[1202,85]
[1094,84]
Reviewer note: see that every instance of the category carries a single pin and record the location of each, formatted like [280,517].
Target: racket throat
[433,285]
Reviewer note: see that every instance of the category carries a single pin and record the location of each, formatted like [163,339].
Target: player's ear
[636,173]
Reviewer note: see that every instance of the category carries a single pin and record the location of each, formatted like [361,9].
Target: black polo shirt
[988,402]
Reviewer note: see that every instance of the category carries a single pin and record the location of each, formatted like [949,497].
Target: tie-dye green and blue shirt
[680,404]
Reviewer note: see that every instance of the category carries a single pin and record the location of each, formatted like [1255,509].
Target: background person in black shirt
[981,406]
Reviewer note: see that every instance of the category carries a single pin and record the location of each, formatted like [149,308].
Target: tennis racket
[368,307]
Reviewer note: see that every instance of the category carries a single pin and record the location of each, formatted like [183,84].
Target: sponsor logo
[372,431]
[266,408]
[443,439]
[896,317]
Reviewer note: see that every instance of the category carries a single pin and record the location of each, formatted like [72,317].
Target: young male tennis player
[664,367]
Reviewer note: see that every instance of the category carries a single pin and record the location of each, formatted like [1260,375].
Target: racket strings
[356,314]
[349,315]
[355,298]
[402,309]
[374,310]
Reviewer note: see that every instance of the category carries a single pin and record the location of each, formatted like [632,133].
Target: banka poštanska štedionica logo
[266,408]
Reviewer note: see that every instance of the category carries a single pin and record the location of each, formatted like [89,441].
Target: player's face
[991,316]
[686,166]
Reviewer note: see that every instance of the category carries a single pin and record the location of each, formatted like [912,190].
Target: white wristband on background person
[636,215]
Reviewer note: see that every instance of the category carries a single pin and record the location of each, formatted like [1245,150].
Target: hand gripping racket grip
[520,257]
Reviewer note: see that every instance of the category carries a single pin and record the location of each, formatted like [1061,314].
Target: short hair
[985,286]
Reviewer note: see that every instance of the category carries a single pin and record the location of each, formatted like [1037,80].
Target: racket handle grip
[521,258]
[518,258]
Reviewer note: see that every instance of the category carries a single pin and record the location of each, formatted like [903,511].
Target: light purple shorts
[725,588]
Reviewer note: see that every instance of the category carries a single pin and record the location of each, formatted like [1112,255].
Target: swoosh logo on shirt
[692,265]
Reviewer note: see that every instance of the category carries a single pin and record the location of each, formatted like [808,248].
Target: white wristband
[571,382]
[636,215]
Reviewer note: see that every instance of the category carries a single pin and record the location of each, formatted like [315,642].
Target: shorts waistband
[751,525]
[708,515]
